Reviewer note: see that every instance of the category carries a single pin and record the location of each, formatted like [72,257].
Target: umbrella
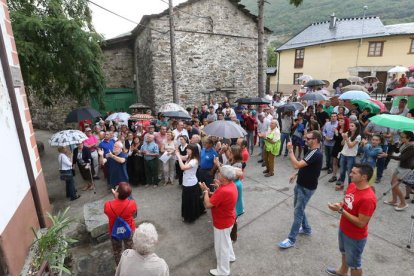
[411,67]
[177,114]
[291,107]
[314,83]
[253,101]
[398,69]
[323,92]
[355,79]
[380,104]
[367,103]
[370,78]
[305,78]
[67,137]
[354,94]
[393,121]
[313,97]
[119,116]
[81,114]
[225,129]
[354,87]
[141,117]
[327,83]
[171,107]
[403,91]
[344,82]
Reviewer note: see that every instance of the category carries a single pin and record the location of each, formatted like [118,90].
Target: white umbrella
[225,129]
[171,107]
[355,79]
[67,137]
[398,69]
[324,92]
[119,116]
[305,78]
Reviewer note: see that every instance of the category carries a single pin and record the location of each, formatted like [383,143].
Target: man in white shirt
[411,79]
[401,109]
[263,125]
[180,130]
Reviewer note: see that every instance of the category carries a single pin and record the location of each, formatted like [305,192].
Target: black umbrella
[345,82]
[253,101]
[314,83]
[177,115]
[81,114]
[286,107]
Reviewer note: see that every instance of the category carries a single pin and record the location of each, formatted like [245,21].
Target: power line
[123,17]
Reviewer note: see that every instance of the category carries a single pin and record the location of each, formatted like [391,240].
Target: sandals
[390,203]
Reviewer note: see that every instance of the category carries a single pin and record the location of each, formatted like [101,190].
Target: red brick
[15,58]
[31,128]
[9,29]
[27,115]
[6,11]
[36,151]
[24,97]
[13,44]
[38,165]
[33,141]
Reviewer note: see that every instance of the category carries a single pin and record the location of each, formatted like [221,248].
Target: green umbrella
[367,103]
[393,121]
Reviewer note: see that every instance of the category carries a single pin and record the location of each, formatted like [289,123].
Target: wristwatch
[341,210]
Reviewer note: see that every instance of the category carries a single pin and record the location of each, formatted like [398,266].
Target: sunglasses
[307,138]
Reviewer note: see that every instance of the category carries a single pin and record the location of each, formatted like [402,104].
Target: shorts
[352,249]
[401,173]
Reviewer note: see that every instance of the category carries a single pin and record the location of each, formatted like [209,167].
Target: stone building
[216,49]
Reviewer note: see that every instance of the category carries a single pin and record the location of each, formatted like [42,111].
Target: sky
[110,25]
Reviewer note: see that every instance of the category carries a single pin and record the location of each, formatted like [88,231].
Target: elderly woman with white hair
[141,260]
[222,204]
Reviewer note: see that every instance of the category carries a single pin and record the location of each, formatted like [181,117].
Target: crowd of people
[210,169]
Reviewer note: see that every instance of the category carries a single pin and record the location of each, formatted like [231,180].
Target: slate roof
[346,29]
[271,70]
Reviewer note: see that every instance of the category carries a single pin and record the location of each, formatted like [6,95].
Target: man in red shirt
[356,210]
[127,209]
[222,204]
[250,123]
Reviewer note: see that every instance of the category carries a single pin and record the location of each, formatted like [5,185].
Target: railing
[44,269]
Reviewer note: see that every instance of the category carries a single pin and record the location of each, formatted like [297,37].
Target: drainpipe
[20,131]
[278,70]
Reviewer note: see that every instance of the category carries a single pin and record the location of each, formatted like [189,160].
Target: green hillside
[286,20]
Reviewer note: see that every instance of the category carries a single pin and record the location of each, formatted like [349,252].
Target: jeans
[328,156]
[346,163]
[301,198]
[352,249]
[70,187]
[250,141]
[261,145]
[381,163]
[284,137]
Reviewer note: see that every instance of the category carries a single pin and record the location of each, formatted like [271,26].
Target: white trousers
[224,250]
[95,160]
[169,169]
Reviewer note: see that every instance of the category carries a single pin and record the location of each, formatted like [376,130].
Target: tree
[271,57]
[260,44]
[59,50]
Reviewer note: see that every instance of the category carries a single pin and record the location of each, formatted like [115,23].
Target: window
[295,78]
[375,49]
[411,46]
[299,57]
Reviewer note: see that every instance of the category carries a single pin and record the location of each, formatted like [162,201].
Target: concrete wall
[218,50]
[18,214]
[341,59]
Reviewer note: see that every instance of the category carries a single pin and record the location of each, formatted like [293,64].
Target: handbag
[65,174]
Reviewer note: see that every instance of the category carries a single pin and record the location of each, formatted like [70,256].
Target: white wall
[14,183]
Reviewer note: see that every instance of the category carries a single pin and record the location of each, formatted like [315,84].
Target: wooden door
[382,78]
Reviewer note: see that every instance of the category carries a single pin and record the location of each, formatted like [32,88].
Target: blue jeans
[328,156]
[284,137]
[352,249]
[346,163]
[381,163]
[70,187]
[301,198]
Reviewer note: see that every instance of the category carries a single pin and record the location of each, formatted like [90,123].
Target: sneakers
[332,271]
[303,232]
[332,179]
[214,272]
[286,244]
[377,181]
[260,161]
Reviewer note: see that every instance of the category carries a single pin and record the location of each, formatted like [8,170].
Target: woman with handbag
[66,174]
[83,157]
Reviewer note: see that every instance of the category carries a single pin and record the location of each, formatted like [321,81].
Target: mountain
[285,20]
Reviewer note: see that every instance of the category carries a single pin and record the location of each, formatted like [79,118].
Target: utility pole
[260,48]
[172,53]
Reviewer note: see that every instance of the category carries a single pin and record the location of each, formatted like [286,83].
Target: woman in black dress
[135,163]
[182,149]
[343,127]
[82,156]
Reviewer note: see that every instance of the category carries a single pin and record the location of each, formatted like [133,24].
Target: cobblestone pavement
[188,249]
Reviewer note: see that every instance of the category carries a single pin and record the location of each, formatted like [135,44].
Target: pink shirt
[160,139]
[91,141]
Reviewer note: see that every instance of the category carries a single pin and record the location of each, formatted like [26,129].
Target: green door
[116,100]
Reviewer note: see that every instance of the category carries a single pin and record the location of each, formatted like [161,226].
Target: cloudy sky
[110,25]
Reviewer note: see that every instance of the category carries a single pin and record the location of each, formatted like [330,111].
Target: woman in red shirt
[125,208]
[222,204]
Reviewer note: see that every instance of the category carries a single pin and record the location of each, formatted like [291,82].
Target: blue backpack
[121,229]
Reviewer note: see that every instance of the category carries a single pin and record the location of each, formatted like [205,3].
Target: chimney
[332,23]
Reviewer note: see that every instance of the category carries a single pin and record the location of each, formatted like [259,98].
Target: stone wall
[218,49]
[118,66]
